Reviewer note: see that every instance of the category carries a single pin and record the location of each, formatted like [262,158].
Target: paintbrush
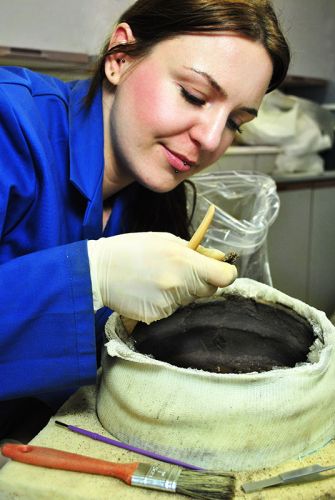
[196,484]
[129,447]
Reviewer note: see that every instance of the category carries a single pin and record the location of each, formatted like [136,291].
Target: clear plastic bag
[247,204]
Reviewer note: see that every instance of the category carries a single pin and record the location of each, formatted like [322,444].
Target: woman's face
[177,110]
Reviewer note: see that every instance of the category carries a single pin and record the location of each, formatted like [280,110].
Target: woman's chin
[161,185]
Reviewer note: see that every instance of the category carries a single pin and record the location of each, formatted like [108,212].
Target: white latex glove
[147,276]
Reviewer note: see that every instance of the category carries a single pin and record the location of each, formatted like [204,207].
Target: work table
[20,481]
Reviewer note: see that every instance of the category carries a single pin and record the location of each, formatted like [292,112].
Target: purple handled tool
[119,444]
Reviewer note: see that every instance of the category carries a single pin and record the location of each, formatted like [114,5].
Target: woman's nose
[208,131]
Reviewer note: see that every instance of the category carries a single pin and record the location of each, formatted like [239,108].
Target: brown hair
[153,21]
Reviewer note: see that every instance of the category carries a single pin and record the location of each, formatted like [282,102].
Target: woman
[89,169]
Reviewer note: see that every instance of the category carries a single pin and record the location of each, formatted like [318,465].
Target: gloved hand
[147,276]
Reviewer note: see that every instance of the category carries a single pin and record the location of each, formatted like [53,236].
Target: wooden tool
[202,229]
[194,242]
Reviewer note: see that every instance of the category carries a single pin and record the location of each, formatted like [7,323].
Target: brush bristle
[206,484]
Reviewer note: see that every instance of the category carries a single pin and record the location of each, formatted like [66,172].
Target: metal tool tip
[60,423]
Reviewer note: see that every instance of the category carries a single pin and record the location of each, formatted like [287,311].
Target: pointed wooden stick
[194,242]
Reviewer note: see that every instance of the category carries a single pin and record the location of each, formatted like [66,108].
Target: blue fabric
[51,169]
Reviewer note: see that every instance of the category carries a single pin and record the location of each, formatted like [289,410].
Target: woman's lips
[176,162]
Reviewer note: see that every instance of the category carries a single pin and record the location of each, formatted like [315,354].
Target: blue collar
[87,161]
[86,141]
[87,154]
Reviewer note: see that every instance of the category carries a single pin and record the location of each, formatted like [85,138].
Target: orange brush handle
[57,459]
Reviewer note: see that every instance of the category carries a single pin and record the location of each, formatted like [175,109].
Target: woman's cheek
[156,104]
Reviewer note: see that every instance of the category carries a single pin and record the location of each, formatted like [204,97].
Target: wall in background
[82,25]
[64,25]
[310,29]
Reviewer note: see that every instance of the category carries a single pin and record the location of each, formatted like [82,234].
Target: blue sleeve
[47,331]
[47,337]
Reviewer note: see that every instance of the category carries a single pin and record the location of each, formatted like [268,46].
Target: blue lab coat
[51,171]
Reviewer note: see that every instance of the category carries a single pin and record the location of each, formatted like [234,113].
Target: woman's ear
[117,63]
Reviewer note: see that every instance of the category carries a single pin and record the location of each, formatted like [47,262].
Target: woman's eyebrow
[250,111]
[214,84]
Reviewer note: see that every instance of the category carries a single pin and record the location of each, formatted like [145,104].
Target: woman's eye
[233,126]
[192,99]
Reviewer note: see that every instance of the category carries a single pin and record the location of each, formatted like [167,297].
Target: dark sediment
[229,334]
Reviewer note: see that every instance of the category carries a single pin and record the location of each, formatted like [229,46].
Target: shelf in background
[64,65]
[303,81]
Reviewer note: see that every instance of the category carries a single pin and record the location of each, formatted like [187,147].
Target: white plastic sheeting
[300,127]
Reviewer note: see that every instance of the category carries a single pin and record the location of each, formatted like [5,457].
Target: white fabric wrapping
[227,421]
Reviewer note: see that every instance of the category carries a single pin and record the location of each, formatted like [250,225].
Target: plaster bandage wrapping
[227,421]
